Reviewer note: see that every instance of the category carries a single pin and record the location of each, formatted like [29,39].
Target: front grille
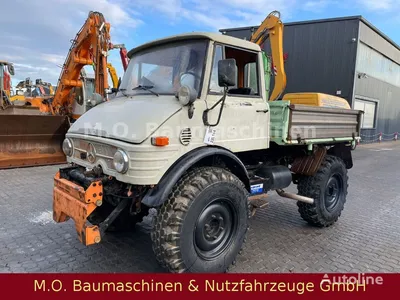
[104,152]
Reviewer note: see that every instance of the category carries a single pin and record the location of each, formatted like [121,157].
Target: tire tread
[310,186]
[167,224]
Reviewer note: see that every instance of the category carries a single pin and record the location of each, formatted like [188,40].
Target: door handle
[262,110]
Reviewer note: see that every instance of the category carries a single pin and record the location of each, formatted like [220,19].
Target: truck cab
[154,103]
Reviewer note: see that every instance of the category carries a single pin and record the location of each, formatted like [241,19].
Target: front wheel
[328,188]
[202,226]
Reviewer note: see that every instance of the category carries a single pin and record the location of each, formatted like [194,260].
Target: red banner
[174,286]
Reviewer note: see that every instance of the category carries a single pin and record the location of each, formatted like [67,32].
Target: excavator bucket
[30,138]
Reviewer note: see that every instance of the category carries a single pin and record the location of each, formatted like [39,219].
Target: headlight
[186,95]
[121,161]
[67,147]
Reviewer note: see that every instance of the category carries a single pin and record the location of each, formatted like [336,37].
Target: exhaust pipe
[296,197]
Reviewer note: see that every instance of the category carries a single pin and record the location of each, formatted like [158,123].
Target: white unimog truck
[192,133]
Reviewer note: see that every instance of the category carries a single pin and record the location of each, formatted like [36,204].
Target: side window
[77,93]
[214,87]
[89,87]
[250,76]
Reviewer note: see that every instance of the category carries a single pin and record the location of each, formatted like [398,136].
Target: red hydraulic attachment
[123,53]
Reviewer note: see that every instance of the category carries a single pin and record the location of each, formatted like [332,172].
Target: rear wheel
[203,224]
[328,188]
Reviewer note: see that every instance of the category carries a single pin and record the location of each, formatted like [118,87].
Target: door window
[247,82]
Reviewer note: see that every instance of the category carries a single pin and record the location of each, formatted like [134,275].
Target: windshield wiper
[146,88]
[123,92]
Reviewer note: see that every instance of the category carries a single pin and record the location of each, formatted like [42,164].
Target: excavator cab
[82,95]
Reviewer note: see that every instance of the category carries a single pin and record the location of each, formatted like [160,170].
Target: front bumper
[73,201]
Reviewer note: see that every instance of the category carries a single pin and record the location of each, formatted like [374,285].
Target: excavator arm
[90,47]
[113,74]
[39,128]
[272,28]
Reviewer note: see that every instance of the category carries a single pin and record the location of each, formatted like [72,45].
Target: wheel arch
[203,156]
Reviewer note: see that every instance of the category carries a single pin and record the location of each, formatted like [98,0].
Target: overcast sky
[35,34]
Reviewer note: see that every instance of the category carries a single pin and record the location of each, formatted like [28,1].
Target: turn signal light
[160,141]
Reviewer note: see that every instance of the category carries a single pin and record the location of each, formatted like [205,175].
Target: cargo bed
[305,124]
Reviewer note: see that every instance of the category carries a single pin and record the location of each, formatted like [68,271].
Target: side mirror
[227,72]
[11,70]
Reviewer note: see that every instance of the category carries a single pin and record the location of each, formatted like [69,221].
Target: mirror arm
[205,113]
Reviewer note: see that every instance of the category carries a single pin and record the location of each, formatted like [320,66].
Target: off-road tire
[175,228]
[320,214]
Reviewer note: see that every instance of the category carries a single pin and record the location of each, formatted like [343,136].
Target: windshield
[165,68]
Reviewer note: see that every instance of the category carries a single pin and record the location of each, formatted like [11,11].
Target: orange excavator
[32,134]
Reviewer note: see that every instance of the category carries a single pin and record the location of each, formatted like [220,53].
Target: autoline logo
[345,283]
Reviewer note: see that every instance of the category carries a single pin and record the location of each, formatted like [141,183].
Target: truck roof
[220,38]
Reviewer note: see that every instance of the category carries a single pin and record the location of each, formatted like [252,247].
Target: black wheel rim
[333,192]
[215,227]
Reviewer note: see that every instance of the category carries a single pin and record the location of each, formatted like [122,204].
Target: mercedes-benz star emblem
[91,153]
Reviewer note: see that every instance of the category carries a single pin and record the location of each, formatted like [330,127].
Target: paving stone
[365,239]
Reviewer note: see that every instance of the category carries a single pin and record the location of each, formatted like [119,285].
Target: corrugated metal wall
[377,65]
[377,86]
[388,109]
[321,56]
[376,41]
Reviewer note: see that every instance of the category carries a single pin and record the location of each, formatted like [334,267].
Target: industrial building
[347,57]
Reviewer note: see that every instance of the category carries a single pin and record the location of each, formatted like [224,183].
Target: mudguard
[156,196]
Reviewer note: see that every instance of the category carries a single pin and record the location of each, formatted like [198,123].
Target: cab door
[244,122]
